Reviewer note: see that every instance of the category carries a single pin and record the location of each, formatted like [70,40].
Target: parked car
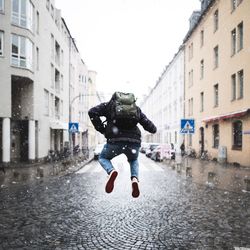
[150,149]
[98,150]
[144,147]
[163,151]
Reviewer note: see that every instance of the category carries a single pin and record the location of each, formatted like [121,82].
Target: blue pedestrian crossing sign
[73,127]
[187,126]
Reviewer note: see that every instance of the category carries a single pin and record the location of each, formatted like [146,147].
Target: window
[52,47]
[21,52]
[191,104]
[233,81]
[62,55]
[190,77]
[202,101]
[216,95]
[233,41]
[1,43]
[52,76]
[233,3]
[216,57]
[61,82]
[216,20]
[1,6]
[57,53]
[47,4]
[237,135]
[22,13]
[57,81]
[202,69]
[240,36]
[202,38]
[37,58]
[52,11]
[240,84]
[190,51]
[37,22]
[216,136]
[46,102]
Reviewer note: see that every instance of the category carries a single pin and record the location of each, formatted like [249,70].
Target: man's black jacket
[114,134]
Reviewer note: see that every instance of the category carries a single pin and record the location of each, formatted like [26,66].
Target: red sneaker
[110,183]
[135,188]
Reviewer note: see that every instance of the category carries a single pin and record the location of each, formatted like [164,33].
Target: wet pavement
[173,211]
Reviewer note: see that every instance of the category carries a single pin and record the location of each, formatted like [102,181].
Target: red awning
[226,116]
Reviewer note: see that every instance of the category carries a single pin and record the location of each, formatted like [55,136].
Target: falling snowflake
[133,151]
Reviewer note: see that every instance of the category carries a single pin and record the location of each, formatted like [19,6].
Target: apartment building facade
[217,79]
[42,81]
[165,103]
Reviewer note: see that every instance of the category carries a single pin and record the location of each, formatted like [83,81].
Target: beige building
[217,80]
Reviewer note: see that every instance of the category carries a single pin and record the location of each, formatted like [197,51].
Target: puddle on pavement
[213,174]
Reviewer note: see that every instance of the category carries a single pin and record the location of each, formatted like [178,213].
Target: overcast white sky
[127,42]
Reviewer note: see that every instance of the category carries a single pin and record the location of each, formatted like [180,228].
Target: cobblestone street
[74,212]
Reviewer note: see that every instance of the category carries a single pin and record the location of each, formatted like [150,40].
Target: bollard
[40,172]
[211,177]
[178,168]
[247,182]
[188,171]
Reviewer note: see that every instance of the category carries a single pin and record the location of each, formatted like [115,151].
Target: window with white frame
[216,135]
[21,52]
[1,5]
[37,22]
[61,82]
[233,4]
[240,36]
[233,82]
[237,135]
[216,20]
[46,102]
[202,69]
[47,4]
[1,43]
[202,101]
[37,58]
[216,95]
[233,41]
[240,75]
[202,38]
[22,13]
[216,57]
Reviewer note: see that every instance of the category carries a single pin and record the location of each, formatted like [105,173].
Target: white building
[165,103]
[41,72]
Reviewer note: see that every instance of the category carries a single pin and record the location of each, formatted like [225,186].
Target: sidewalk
[213,174]
[25,172]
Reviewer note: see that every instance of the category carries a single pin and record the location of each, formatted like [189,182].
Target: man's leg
[109,152]
[132,155]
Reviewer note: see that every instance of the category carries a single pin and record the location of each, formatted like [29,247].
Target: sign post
[187,127]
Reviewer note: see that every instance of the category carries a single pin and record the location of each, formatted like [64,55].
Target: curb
[24,174]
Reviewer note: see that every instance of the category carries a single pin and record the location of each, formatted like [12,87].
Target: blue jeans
[111,150]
